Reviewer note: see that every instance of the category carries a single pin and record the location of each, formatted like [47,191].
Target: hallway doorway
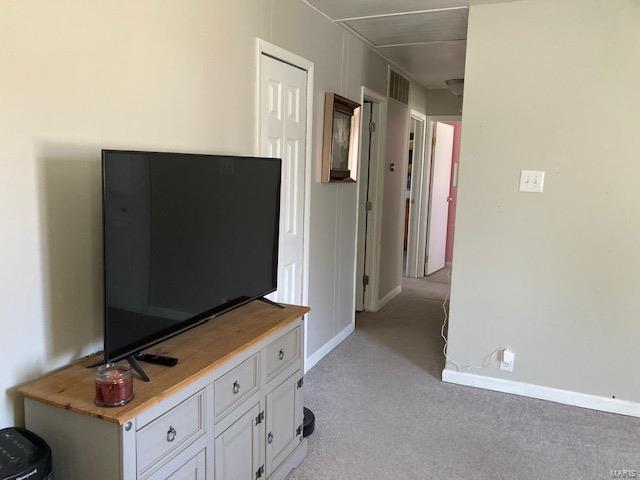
[369,199]
[445,135]
[415,194]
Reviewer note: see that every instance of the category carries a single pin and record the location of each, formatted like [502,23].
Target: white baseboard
[566,397]
[327,347]
[387,298]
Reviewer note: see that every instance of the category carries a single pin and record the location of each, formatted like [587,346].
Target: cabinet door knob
[236,387]
[171,434]
[281,354]
[270,438]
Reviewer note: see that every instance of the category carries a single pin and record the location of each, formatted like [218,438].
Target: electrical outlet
[507,360]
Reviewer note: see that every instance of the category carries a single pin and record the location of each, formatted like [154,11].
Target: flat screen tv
[186,237]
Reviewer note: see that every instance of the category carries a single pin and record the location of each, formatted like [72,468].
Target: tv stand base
[270,302]
[137,368]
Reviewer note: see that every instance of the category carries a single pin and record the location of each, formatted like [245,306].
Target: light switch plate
[532,181]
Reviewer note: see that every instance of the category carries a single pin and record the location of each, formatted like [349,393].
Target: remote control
[156,359]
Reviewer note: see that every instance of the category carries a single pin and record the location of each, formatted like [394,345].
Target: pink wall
[453,191]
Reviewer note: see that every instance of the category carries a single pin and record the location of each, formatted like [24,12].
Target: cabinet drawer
[171,432]
[282,353]
[235,386]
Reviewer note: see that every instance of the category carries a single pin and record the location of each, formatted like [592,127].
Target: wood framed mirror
[341,139]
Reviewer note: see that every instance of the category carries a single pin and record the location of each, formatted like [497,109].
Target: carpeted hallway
[383,413]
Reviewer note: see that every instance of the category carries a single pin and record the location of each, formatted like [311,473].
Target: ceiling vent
[398,87]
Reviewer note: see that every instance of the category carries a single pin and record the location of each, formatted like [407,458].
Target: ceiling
[426,38]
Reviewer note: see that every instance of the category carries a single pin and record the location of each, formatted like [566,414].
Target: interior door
[415,192]
[283,116]
[237,449]
[283,417]
[364,201]
[439,196]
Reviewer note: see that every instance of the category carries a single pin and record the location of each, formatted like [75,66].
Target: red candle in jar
[114,385]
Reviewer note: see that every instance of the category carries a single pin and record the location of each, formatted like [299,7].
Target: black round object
[24,455]
[309,422]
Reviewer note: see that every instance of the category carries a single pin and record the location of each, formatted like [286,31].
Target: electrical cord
[460,367]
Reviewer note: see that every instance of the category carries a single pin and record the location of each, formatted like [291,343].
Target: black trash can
[24,456]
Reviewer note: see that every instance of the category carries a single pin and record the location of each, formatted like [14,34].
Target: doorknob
[449,199]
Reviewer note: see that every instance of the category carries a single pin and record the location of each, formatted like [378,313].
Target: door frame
[424,217]
[278,53]
[376,189]
[419,181]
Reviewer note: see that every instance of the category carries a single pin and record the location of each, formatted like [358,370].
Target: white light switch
[532,181]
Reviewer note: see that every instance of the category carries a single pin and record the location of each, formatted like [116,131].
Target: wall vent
[398,87]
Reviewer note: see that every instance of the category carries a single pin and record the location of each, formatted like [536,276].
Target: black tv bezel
[203,317]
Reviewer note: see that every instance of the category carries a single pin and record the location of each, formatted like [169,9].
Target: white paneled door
[283,116]
[439,197]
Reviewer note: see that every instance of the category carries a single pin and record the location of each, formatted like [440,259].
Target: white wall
[394,192]
[440,101]
[551,86]
[394,189]
[79,76]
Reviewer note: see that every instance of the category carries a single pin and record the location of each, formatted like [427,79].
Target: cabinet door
[192,469]
[237,449]
[284,417]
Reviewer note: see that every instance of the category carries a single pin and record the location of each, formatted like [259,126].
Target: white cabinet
[237,448]
[230,410]
[195,468]
[283,421]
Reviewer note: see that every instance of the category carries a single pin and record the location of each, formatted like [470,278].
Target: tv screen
[186,237]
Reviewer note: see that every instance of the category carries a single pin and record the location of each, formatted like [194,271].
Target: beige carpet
[383,413]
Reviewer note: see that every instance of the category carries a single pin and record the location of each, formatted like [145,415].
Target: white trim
[311,361]
[398,14]
[411,44]
[388,297]
[262,46]
[424,216]
[417,181]
[565,397]
[372,95]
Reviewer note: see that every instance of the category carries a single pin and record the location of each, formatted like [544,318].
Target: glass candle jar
[114,385]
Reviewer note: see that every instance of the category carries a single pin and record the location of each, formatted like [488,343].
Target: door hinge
[259,472]
[300,382]
[372,126]
[259,418]
[299,430]
[368,206]
[365,280]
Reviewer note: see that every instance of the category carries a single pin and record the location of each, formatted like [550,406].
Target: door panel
[363,186]
[438,198]
[237,449]
[284,416]
[283,117]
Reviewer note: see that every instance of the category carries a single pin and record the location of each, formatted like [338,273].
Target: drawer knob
[236,387]
[281,354]
[270,438]
[171,434]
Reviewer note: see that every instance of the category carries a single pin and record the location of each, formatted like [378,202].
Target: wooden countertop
[199,350]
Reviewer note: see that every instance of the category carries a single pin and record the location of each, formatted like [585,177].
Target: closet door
[283,118]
